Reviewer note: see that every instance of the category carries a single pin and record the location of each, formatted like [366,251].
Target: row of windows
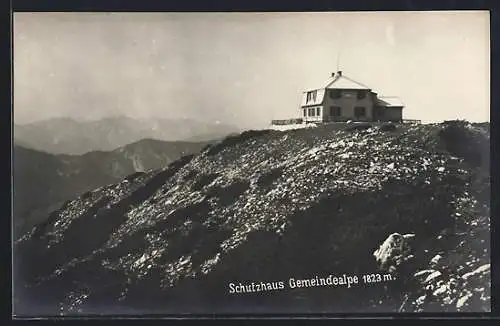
[335,111]
[312,112]
[336,93]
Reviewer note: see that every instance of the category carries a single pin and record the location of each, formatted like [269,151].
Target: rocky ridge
[268,206]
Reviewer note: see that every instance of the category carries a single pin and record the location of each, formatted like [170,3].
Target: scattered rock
[265,206]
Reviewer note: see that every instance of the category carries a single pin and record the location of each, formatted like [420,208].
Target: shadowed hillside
[43,182]
[267,206]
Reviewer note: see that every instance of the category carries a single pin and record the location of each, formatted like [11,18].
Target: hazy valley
[76,137]
[43,181]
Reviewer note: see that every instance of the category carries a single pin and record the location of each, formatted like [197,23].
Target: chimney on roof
[333,74]
[339,73]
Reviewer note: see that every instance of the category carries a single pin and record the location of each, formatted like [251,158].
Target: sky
[245,68]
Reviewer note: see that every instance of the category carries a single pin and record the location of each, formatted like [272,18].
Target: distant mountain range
[69,136]
[43,181]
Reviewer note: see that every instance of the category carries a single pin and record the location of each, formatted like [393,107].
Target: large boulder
[395,250]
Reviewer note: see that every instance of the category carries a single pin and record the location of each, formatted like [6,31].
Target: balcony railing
[341,119]
[287,121]
[412,121]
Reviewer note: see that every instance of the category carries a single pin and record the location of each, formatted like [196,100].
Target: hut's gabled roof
[339,81]
[390,101]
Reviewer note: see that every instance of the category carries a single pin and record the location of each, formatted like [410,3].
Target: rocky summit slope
[409,205]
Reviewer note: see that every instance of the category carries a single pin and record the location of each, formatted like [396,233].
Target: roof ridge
[337,77]
[352,80]
[334,79]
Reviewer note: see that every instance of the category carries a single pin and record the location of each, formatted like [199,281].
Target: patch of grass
[190,175]
[204,180]
[461,141]
[359,127]
[134,176]
[227,195]
[269,177]
[388,127]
